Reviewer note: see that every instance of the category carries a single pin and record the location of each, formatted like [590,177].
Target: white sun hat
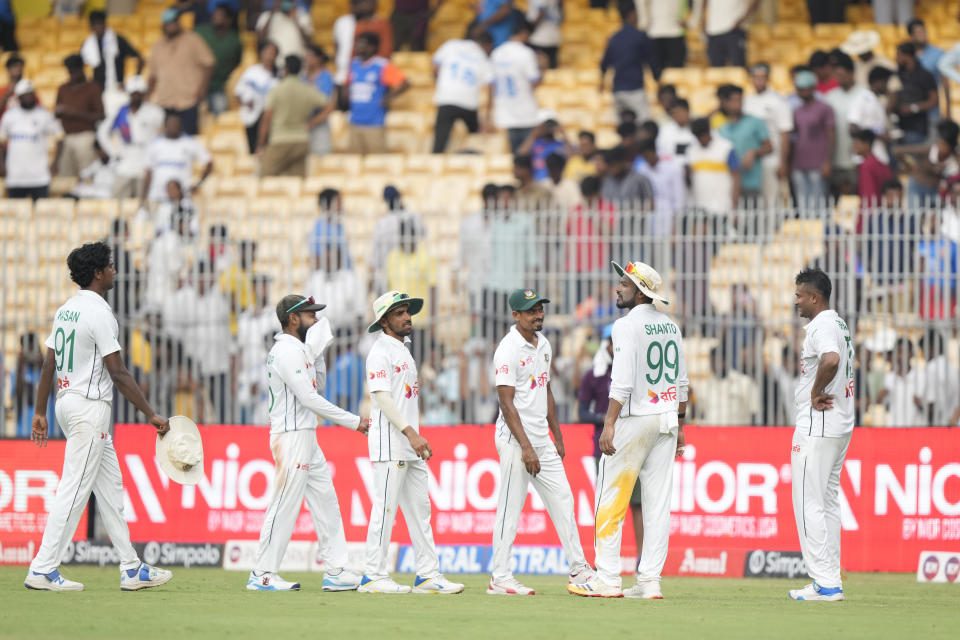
[860,42]
[390,300]
[645,277]
[180,451]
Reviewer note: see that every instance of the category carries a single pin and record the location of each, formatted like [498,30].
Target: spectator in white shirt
[664,21]
[168,256]
[675,137]
[727,397]
[943,381]
[723,23]
[199,316]
[252,89]
[904,389]
[256,327]
[772,108]
[26,129]
[546,16]
[843,178]
[339,287]
[475,251]
[868,111]
[564,191]
[171,157]
[714,170]
[461,69]
[125,136]
[287,26]
[669,190]
[516,73]
[344,29]
[97,178]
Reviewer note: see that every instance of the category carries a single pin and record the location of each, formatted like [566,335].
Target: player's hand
[161,424]
[822,401]
[39,431]
[420,446]
[530,460]
[606,441]
[918,402]
[561,451]
[681,443]
[364,427]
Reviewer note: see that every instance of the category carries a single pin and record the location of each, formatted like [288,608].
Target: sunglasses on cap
[306,301]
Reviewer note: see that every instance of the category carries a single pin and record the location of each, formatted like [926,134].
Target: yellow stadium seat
[337,164]
[16,209]
[237,187]
[106,209]
[386,164]
[423,163]
[281,186]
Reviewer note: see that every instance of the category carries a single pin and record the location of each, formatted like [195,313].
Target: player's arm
[131,390]
[622,375]
[39,432]
[395,417]
[826,372]
[554,423]
[505,394]
[295,376]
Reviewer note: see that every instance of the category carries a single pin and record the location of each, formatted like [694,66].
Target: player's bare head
[813,291]
[628,294]
[397,322]
[91,266]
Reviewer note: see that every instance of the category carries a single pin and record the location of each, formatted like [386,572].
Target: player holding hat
[527,417]
[84,352]
[302,469]
[398,452]
[641,434]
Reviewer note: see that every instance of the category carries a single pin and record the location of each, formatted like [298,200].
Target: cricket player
[825,415]
[527,417]
[84,352]
[398,452]
[641,434]
[302,470]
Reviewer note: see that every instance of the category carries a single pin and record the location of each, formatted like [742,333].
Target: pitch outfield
[212,604]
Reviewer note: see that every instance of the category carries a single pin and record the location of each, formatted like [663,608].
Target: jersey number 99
[662,359]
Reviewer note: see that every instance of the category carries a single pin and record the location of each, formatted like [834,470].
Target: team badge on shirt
[654,398]
[411,392]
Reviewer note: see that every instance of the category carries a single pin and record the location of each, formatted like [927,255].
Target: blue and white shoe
[143,577]
[270,582]
[52,581]
[814,591]
[383,585]
[436,584]
[341,580]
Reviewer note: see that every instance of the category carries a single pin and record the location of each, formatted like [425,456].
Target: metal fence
[196,291]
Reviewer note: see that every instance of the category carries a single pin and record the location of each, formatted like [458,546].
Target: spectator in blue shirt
[373,83]
[750,140]
[546,138]
[496,18]
[628,51]
[317,75]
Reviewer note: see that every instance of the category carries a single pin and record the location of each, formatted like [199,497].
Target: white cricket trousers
[642,452]
[301,472]
[554,490]
[89,464]
[400,483]
[816,463]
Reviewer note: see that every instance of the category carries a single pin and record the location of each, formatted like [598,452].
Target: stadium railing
[196,311]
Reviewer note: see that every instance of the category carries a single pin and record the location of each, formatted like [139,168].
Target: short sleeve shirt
[369,81]
[515,71]
[747,134]
[84,332]
[827,333]
[173,159]
[391,368]
[812,121]
[464,70]
[27,132]
[526,368]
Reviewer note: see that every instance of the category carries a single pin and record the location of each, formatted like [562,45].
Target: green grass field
[213,604]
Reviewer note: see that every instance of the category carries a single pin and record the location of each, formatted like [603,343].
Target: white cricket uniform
[649,378]
[526,368]
[173,159]
[819,446]
[399,476]
[84,332]
[515,71]
[302,470]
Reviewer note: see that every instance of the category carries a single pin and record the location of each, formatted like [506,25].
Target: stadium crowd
[854,123]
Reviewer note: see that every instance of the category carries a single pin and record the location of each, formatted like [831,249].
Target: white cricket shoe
[595,588]
[436,584]
[383,585]
[583,576]
[143,577]
[341,580]
[52,581]
[268,581]
[814,591]
[509,587]
[648,590]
